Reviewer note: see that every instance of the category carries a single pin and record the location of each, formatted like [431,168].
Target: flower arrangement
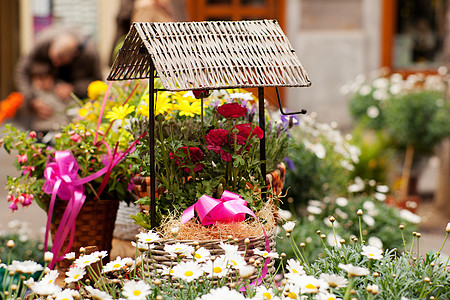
[348,270]
[86,161]
[204,147]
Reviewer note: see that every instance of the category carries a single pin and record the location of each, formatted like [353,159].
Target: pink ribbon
[229,208]
[62,181]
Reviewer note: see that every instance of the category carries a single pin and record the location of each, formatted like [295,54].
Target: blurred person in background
[70,58]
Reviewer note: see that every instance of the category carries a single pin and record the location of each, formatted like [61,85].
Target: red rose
[246,129]
[195,155]
[215,140]
[232,110]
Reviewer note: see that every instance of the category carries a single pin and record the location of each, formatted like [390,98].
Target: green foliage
[419,118]
[320,162]
[380,223]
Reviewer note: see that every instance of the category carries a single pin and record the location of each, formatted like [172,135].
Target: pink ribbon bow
[61,177]
[229,208]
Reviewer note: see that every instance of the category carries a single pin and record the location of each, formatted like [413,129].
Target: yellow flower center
[148,240]
[294,271]
[217,269]
[267,296]
[116,266]
[50,281]
[292,295]
[197,255]
[371,255]
[331,298]
[188,273]
[65,299]
[136,292]
[76,276]
[310,286]
[233,262]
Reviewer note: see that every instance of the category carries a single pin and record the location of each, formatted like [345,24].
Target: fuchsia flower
[28,169]
[22,158]
[32,134]
[76,138]
[13,206]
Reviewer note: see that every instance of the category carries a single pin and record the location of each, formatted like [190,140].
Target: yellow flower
[163,104]
[119,113]
[187,109]
[96,89]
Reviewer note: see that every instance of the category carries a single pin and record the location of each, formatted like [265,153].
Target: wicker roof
[210,55]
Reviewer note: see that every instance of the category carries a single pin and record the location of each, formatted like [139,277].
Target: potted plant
[207,152]
[85,170]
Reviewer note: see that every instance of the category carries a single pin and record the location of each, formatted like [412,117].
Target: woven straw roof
[210,55]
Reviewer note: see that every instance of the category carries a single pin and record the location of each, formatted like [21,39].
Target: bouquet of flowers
[206,148]
[87,159]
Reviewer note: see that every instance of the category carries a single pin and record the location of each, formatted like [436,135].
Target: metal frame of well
[207,56]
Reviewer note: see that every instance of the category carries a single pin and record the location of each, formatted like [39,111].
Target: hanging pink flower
[22,158]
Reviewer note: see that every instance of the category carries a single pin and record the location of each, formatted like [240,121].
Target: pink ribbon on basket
[61,180]
[229,208]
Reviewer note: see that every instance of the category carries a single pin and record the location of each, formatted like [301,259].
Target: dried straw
[193,230]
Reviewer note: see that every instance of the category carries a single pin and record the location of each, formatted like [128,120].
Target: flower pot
[94,226]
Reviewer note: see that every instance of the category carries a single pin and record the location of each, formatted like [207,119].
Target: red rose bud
[201,93]
[32,134]
[232,110]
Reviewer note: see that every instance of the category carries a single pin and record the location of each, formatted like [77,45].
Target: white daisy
[202,254]
[354,270]
[341,201]
[382,188]
[70,256]
[263,293]
[292,291]
[166,271]
[148,237]
[230,249]
[409,216]
[246,271]
[357,186]
[310,284]
[380,196]
[265,254]
[74,274]
[314,210]
[142,246]
[97,294]
[86,260]
[223,293]
[179,250]
[117,264]
[289,226]
[326,296]
[188,270]
[100,254]
[66,294]
[333,280]
[235,261]
[216,268]
[136,290]
[375,241]
[44,288]
[27,267]
[50,277]
[372,252]
[369,220]
[295,267]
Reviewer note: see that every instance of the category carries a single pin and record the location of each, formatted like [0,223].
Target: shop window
[413,34]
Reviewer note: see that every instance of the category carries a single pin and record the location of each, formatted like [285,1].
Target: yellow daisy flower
[119,113]
[163,105]
[96,89]
[188,109]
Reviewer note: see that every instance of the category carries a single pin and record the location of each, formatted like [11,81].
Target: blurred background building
[336,40]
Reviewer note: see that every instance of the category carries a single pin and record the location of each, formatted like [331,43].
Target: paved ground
[433,228]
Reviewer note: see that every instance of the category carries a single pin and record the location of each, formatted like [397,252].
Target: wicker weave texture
[94,225]
[210,55]
[162,258]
